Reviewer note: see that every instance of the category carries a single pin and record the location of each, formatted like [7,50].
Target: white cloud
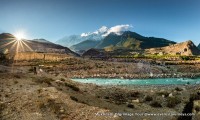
[104,31]
[85,34]
[118,29]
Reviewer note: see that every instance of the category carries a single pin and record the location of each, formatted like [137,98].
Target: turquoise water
[157,81]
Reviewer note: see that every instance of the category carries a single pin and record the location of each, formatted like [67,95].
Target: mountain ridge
[129,40]
[9,43]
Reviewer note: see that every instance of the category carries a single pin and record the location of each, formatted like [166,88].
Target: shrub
[15,82]
[17,76]
[178,89]
[194,96]
[148,98]
[155,104]
[2,106]
[134,94]
[130,105]
[185,58]
[165,93]
[173,101]
[106,97]
[74,98]
[62,79]
[197,108]
[73,87]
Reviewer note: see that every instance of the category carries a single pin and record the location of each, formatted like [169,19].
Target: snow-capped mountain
[97,35]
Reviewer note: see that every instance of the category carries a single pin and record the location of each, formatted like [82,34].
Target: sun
[19,35]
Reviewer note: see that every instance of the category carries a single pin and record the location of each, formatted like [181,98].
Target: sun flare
[19,35]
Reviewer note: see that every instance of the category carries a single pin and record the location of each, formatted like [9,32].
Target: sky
[177,20]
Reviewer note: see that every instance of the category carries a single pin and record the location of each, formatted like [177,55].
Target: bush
[130,105]
[134,94]
[62,79]
[165,93]
[17,76]
[106,97]
[173,101]
[197,108]
[74,98]
[2,106]
[15,82]
[185,58]
[194,96]
[178,89]
[148,98]
[155,104]
[73,87]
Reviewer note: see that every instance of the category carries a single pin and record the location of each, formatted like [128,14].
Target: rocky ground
[86,68]
[25,96]
[51,95]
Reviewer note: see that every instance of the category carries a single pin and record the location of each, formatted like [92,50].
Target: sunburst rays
[15,46]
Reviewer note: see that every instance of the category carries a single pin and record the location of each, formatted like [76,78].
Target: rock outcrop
[185,48]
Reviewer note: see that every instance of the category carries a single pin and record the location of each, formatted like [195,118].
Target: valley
[36,80]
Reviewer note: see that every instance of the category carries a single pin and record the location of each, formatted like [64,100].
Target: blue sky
[177,20]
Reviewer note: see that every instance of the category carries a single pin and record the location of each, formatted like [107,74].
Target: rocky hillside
[9,44]
[184,48]
[93,53]
[85,45]
[132,40]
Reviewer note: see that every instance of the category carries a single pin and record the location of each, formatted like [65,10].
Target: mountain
[132,40]
[184,48]
[125,40]
[9,43]
[199,46]
[111,39]
[69,41]
[85,45]
[41,40]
